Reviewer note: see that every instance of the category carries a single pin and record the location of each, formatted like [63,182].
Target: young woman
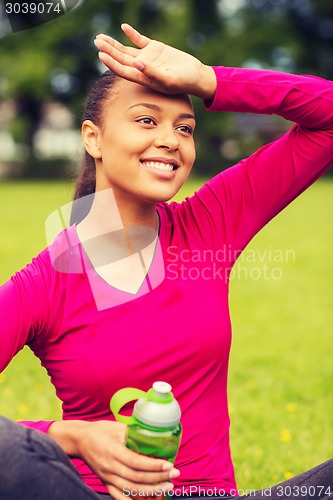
[111,303]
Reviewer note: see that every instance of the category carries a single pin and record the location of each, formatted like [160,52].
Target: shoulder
[43,278]
[46,262]
[34,271]
[39,289]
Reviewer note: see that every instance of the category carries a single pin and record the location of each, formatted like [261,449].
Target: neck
[138,214]
[110,213]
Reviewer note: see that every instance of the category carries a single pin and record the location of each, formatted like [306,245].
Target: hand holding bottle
[102,446]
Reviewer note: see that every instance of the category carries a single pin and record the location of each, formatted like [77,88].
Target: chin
[156,200]
[161,199]
[159,196]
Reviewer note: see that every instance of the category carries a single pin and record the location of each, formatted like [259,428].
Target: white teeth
[156,164]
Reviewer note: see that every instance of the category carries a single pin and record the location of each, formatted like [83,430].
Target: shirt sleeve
[24,310]
[38,425]
[234,205]
[23,316]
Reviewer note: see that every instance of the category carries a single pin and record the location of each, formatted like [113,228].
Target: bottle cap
[155,408]
[161,388]
[159,408]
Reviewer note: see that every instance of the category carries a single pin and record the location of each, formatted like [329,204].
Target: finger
[140,476]
[116,54]
[117,494]
[131,74]
[132,51]
[140,462]
[136,37]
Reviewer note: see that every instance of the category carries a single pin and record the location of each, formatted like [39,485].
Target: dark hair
[86,179]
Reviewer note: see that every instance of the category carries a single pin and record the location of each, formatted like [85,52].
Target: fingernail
[174,473]
[138,65]
[167,466]
[168,486]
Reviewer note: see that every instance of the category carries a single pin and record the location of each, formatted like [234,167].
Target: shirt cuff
[215,105]
[39,425]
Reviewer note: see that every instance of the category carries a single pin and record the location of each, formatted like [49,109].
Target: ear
[91,135]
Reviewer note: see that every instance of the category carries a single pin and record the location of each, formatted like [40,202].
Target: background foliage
[58,61]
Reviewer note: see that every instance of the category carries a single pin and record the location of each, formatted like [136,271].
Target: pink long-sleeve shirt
[180,330]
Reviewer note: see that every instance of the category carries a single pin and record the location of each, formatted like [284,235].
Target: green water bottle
[154,427]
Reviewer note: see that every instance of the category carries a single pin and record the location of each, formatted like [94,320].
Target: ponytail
[86,179]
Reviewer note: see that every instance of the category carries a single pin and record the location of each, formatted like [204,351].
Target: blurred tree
[288,34]
[57,60]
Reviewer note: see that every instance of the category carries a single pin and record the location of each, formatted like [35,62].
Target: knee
[11,439]
[8,428]
[4,423]
[16,439]
[11,433]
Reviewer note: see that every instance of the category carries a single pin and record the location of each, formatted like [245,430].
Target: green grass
[25,390]
[281,372]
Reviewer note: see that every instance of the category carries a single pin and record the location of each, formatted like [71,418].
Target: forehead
[127,94]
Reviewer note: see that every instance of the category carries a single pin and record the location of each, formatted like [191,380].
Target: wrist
[207,83]
[67,434]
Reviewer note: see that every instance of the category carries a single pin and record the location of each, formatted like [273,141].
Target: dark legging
[34,467]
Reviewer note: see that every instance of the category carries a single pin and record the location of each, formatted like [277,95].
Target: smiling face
[145,144]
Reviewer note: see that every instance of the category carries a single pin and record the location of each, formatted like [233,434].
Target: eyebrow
[155,107]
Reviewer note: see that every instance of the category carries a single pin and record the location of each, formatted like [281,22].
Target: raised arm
[243,198]
[251,193]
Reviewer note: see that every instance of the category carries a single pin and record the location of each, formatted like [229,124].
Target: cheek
[190,154]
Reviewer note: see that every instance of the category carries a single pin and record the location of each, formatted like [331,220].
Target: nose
[167,138]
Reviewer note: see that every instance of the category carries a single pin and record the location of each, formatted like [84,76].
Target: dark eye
[185,128]
[146,120]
